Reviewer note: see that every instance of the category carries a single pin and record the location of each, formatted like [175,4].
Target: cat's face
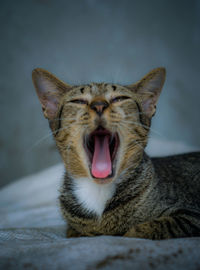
[103,134]
[100,129]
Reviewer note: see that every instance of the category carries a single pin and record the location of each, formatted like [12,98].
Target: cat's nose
[99,106]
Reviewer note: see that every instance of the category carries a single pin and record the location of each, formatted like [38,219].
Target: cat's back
[179,176]
[185,165]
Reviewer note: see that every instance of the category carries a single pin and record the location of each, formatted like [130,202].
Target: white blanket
[32,231]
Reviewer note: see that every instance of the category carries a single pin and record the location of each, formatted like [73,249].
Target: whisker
[140,145]
[64,118]
[133,113]
[46,137]
[144,126]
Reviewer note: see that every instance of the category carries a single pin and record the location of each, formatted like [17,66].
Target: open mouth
[101,147]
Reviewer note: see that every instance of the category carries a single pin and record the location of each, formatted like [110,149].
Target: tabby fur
[154,198]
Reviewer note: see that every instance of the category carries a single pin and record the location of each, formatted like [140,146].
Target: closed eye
[118,99]
[79,101]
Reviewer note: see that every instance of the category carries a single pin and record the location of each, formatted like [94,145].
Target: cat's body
[158,189]
[111,186]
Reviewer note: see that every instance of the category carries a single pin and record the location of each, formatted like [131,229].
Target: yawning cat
[111,187]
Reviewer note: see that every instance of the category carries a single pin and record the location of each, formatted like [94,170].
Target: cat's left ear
[50,91]
[149,89]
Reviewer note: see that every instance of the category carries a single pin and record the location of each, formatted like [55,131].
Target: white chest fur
[92,196]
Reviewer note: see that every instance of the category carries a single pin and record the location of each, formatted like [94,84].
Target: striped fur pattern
[154,198]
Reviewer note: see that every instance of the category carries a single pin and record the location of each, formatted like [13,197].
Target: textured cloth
[32,232]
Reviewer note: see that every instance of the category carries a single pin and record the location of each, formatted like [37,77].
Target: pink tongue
[101,162]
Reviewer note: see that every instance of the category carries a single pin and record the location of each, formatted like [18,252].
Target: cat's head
[100,129]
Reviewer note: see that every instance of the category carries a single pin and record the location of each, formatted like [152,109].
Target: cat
[111,186]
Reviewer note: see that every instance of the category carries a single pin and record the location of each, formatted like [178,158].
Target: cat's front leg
[72,233]
[165,228]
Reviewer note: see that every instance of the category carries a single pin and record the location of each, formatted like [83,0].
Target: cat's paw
[72,233]
[132,233]
[140,231]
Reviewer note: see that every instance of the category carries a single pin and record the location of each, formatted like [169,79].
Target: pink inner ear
[49,90]
[51,106]
[149,105]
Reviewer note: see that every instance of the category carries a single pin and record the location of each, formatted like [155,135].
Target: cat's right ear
[50,91]
[149,89]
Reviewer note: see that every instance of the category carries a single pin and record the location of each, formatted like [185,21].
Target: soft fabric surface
[32,232]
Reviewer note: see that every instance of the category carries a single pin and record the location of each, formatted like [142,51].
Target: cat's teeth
[100,165]
[112,138]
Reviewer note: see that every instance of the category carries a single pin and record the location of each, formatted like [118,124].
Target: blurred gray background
[94,40]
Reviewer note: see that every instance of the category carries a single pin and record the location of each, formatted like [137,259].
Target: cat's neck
[137,180]
[95,198]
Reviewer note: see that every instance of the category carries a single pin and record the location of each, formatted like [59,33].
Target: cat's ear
[50,91]
[149,89]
